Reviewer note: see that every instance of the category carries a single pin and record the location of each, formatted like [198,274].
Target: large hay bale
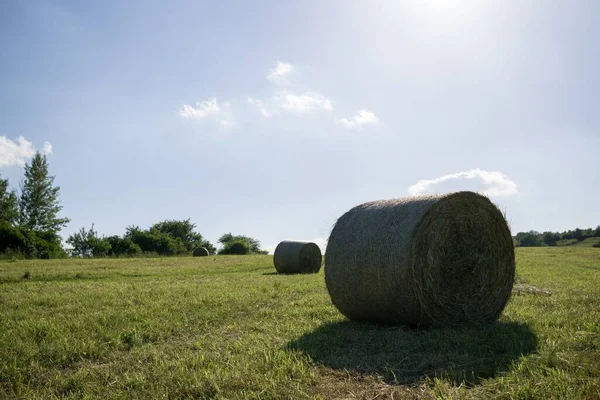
[200,252]
[421,261]
[292,257]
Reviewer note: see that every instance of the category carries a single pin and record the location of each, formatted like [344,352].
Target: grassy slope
[589,242]
[226,327]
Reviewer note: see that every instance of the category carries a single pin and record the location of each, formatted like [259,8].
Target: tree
[528,239]
[184,230]
[237,247]
[578,234]
[550,238]
[39,205]
[122,246]
[83,242]
[154,241]
[597,234]
[9,210]
[253,244]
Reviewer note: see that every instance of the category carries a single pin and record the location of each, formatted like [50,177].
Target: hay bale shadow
[407,356]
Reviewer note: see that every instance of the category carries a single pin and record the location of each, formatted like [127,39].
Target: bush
[32,244]
[596,244]
[236,247]
[154,241]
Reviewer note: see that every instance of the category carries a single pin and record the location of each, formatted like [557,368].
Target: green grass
[589,242]
[566,242]
[228,327]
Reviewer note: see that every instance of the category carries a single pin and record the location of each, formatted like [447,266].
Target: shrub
[236,247]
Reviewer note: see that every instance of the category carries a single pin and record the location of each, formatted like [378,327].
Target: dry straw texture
[200,252]
[421,261]
[297,257]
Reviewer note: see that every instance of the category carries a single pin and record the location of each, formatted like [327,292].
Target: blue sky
[272,119]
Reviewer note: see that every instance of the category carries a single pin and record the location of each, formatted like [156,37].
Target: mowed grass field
[228,327]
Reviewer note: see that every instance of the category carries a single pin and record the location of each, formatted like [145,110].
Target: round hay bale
[421,261]
[200,252]
[297,257]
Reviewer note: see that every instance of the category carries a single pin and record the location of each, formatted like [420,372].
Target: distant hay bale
[200,252]
[421,261]
[297,257]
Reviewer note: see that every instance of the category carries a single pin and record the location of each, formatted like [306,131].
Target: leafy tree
[183,230]
[578,234]
[9,210]
[550,238]
[86,243]
[122,246]
[253,244]
[39,205]
[237,247]
[529,239]
[153,241]
[28,243]
[597,234]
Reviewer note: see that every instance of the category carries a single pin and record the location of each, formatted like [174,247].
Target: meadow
[229,327]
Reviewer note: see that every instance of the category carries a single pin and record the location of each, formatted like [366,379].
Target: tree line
[30,227]
[534,238]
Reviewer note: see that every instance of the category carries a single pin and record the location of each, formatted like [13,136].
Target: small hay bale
[421,261]
[297,257]
[200,252]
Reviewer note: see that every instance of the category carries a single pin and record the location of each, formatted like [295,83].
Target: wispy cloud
[279,73]
[18,152]
[209,109]
[261,107]
[362,118]
[303,103]
[492,183]
[202,110]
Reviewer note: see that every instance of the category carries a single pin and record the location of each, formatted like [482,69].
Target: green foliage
[17,241]
[122,247]
[155,241]
[236,247]
[9,210]
[566,242]
[550,238]
[82,242]
[39,205]
[183,230]
[228,239]
[596,244]
[86,243]
[533,238]
[529,239]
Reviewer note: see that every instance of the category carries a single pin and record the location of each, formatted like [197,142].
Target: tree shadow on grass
[406,356]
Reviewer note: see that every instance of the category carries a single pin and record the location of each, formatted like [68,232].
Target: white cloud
[203,109]
[222,114]
[303,103]
[47,149]
[362,118]
[19,151]
[261,106]
[492,183]
[280,71]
